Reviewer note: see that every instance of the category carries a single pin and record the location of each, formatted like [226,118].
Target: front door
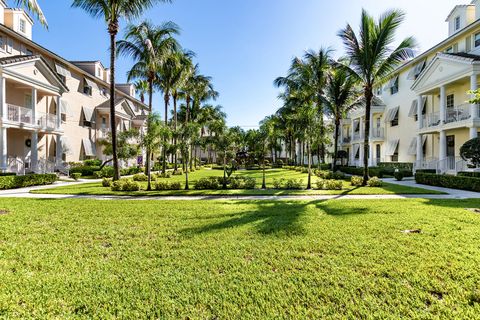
[451,152]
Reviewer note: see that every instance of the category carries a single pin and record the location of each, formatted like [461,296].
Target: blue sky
[244,45]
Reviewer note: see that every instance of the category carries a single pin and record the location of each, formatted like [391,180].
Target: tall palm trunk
[166,99]
[175,128]
[147,162]
[264,183]
[322,130]
[185,155]
[113,30]
[309,151]
[225,170]
[335,146]
[368,106]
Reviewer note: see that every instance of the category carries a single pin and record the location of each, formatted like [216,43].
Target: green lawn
[95,188]
[244,260]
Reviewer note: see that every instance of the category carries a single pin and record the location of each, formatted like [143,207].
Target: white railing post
[443,104]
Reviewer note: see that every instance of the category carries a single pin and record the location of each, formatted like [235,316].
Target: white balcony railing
[20,114]
[103,133]
[457,114]
[24,115]
[378,133]
[357,136]
[431,119]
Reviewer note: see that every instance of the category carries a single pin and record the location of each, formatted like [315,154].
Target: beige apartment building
[425,117]
[53,111]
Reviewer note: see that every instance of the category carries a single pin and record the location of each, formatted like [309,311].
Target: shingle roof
[18,58]
[474,57]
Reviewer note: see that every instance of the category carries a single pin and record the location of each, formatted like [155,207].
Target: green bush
[117,185]
[237,183]
[432,171]
[76,175]
[106,182]
[130,171]
[85,171]
[447,181]
[293,184]
[130,185]
[408,166]
[210,183]
[178,172]
[278,183]
[467,174]
[374,182]
[140,177]
[92,162]
[29,180]
[329,184]
[356,181]
[250,183]
[166,175]
[165,185]
[338,175]
[106,172]
[398,175]
[324,174]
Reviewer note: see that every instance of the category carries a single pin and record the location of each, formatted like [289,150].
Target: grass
[249,260]
[95,188]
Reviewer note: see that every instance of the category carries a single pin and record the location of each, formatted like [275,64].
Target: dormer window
[457,23]
[99,72]
[23,26]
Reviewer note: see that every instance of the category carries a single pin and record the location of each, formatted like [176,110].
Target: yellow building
[52,110]
[425,116]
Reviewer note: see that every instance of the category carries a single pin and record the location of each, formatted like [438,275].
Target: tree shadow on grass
[268,218]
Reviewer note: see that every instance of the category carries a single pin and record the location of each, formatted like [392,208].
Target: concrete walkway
[451,194]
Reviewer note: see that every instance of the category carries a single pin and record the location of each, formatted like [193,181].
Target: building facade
[424,117]
[53,111]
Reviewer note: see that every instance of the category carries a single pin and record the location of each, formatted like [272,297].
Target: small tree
[470,151]
[127,149]
[185,135]
[151,141]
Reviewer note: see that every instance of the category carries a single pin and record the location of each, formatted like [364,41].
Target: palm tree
[142,89]
[308,120]
[151,140]
[112,11]
[341,96]
[33,7]
[373,59]
[149,46]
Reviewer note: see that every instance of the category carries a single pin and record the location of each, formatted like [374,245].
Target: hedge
[396,165]
[469,174]
[379,172]
[86,171]
[13,182]
[446,181]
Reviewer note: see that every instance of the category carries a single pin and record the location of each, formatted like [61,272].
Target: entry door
[378,153]
[451,152]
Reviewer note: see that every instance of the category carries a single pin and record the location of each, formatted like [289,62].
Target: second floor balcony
[454,115]
[378,133]
[26,116]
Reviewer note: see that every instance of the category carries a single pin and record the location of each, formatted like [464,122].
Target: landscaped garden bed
[29,180]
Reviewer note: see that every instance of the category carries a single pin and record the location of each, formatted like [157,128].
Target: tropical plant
[34,7]
[470,151]
[151,140]
[373,59]
[185,136]
[127,147]
[111,11]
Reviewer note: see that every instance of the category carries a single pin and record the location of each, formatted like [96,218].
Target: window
[477,40]
[99,72]
[450,101]
[23,26]
[2,44]
[9,45]
[64,117]
[394,121]
[29,52]
[394,87]
[468,44]
[87,89]
[457,23]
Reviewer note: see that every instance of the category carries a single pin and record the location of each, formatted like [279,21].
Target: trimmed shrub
[356,181]
[293,184]
[179,172]
[166,175]
[130,171]
[92,162]
[106,182]
[237,183]
[398,175]
[250,183]
[278,183]
[432,171]
[338,175]
[29,180]
[165,185]
[210,183]
[140,177]
[130,185]
[467,174]
[117,185]
[324,174]
[408,166]
[446,181]
[329,184]
[374,182]
[85,171]
[76,175]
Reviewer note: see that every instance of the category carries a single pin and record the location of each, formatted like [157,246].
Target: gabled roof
[118,101]
[456,8]
[19,59]
[464,56]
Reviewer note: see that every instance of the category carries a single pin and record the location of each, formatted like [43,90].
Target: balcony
[460,113]
[358,136]
[347,139]
[25,116]
[103,133]
[378,133]
[455,116]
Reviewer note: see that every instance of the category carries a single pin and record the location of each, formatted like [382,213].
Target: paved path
[451,194]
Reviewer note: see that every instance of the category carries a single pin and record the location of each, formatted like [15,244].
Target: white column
[3,98]
[34,151]
[58,151]
[473,87]
[362,154]
[419,148]
[371,156]
[3,149]
[419,112]
[59,112]
[443,105]
[34,105]
[443,145]
[371,125]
